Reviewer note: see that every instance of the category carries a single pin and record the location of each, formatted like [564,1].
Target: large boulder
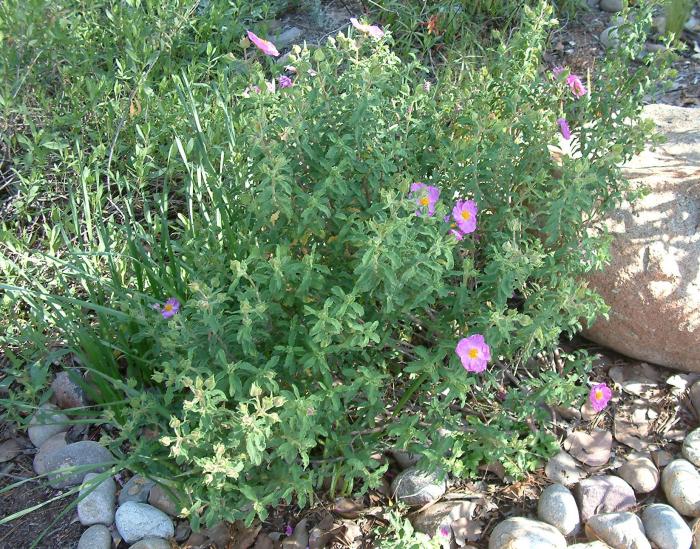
[653,282]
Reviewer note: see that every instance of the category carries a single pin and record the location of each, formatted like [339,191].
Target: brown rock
[592,449]
[161,499]
[66,391]
[603,494]
[653,282]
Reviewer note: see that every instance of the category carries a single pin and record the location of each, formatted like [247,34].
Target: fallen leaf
[592,449]
[9,449]
[264,542]
[348,508]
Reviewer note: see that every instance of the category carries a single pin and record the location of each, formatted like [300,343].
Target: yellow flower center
[168,307]
[598,394]
[473,353]
[466,215]
[424,201]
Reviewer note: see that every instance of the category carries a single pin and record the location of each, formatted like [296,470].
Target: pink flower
[251,90]
[268,48]
[445,531]
[270,86]
[373,30]
[599,396]
[576,86]
[426,197]
[285,81]
[464,213]
[564,128]
[474,353]
[171,307]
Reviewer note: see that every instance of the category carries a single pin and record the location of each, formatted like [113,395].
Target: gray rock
[151,543]
[136,521]
[590,545]
[56,442]
[523,533]
[136,489]
[416,488]
[45,423]
[557,507]
[160,499]
[603,494]
[695,398]
[666,528]
[563,469]
[97,507]
[86,454]
[691,447]
[287,37]
[610,38]
[96,537]
[405,459]
[618,530]
[66,392]
[640,473]
[613,6]
[681,484]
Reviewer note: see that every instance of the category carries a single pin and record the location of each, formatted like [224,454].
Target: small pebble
[665,527]
[557,507]
[691,447]
[96,537]
[97,507]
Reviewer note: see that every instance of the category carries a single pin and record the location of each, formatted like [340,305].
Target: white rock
[97,507]
[151,543]
[96,537]
[563,469]
[45,423]
[416,488]
[557,506]
[640,473]
[523,533]
[590,545]
[618,530]
[666,528]
[691,447]
[681,484]
[136,521]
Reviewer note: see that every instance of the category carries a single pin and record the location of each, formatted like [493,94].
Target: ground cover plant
[274,271]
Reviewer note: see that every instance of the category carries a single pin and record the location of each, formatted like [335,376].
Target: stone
[563,469]
[661,457]
[136,489]
[86,454]
[681,484]
[151,543]
[603,494]
[557,507]
[56,442]
[523,533]
[665,527]
[66,392]
[610,37]
[691,447]
[405,459]
[96,537]
[136,521]
[96,504]
[590,448]
[590,545]
[287,37]
[653,282]
[613,6]
[160,499]
[417,488]
[640,473]
[694,394]
[695,529]
[618,530]
[45,423]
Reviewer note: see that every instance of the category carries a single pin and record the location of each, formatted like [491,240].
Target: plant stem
[409,392]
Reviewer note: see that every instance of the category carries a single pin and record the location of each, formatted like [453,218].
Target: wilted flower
[270,86]
[599,396]
[290,68]
[474,353]
[373,30]
[564,128]
[285,81]
[171,307]
[576,86]
[464,213]
[426,197]
[288,530]
[268,48]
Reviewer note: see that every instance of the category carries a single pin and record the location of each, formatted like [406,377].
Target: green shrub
[319,315]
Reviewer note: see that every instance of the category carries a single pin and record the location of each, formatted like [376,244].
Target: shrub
[317,315]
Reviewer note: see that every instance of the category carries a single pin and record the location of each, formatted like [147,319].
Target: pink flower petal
[268,48]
